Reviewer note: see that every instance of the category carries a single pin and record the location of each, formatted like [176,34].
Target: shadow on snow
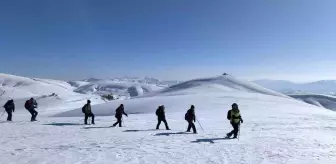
[140,130]
[98,127]
[210,140]
[168,134]
[63,124]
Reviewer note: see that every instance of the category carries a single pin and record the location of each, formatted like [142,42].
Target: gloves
[126,115]
[241,121]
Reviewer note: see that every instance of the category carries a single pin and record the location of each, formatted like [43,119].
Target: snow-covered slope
[276,129]
[198,91]
[52,95]
[324,101]
[321,87]
[19,87]
[225,83]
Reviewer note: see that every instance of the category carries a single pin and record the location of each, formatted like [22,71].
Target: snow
[318,87]
[277,129]
[324,101]
[53,96]
[78,83]
[19,87]
[120,88]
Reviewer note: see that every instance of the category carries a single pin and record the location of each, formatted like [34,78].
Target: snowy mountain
[20,87]
[51,95]
[203,90]
[126,87]
[276,129]
[321,87]
[324,101]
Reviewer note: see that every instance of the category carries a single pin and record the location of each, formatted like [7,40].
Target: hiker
[160,112]
[31,105]
[235,119]
[86,109]
[10,108]
[119,112]
[190,117]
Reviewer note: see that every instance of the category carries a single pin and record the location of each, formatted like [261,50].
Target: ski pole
[200,124]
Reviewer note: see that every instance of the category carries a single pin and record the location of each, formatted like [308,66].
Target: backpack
[119,110]
[186,116]
[157,112]
[6,105]
[229,115]
[26,105]
[83,108]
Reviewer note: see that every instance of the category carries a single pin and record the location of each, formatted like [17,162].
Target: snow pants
[87,115]
[34,114]
[9,112]
[164,121]
[191,125]
[235,130]
[119,121]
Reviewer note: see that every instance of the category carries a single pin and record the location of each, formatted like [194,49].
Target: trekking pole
[2,114]
[238,132]
[122,120]
[200,124]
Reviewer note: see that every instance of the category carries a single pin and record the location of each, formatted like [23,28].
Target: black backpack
[27,105]
[83,108]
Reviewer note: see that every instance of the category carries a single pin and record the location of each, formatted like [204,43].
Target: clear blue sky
[169,39]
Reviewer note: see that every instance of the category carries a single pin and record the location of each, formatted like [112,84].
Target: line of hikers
[233,115]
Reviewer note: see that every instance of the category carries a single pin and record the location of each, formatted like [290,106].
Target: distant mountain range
[287,87]
[125,86]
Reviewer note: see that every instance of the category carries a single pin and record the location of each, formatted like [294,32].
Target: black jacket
[10,105]
[190,115]
[120,111]
[161,113]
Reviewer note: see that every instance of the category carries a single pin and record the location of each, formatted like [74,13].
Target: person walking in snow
[160,112]
[86,109]
[31,105]
[10,108]
[235,119]
[118,114]
[190,117]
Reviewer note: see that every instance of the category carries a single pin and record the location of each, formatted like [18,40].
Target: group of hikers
[233,115]
[30,105]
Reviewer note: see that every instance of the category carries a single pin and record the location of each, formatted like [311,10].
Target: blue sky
[169,39]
